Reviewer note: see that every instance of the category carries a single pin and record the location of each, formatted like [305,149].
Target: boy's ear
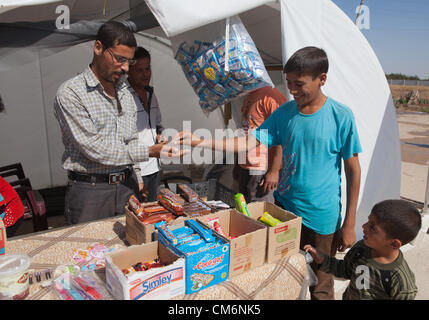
[322,78]
[396,243]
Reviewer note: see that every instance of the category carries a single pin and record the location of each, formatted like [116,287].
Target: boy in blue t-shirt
[316,133]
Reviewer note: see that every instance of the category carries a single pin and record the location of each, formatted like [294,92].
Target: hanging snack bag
[224,69]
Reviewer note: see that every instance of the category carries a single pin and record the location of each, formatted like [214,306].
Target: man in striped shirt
[97,117]
[375,265]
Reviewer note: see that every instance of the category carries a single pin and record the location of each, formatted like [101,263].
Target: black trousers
[151,183]
[93,201]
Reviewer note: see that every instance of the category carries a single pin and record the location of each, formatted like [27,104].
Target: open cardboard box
[137,232]
[203,269]
[157,283]
[284,239]
[248,249]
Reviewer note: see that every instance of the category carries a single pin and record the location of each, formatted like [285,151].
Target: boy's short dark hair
[141,53]
[400,219]
[308,60]
[114,33]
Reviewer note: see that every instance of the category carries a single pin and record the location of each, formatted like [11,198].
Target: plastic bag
[310,278]
[218,78]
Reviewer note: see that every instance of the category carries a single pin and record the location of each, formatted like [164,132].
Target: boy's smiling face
[304,88]
[374,236]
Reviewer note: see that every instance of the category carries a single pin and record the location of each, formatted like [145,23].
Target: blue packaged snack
[206,234]
[182,232]
[166,232]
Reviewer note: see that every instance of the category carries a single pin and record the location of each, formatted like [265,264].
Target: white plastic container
[14,276]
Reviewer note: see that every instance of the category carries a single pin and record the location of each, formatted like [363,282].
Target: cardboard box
[2,238]
[137,233]
[284,239]
[248,250]
[203,269]
[158,283]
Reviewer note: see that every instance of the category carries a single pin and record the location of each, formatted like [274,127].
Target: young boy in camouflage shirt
[375,265]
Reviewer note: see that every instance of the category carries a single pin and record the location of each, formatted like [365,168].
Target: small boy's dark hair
[141,53]
[400,219]
[113,33]
[308,60]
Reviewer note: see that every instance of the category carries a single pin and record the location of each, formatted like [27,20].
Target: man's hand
[270,180]
[163,150]
[161,139]
[347,237]
[143,191]
[185,138]
[318,256]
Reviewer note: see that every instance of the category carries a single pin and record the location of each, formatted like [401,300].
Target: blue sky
[398,33]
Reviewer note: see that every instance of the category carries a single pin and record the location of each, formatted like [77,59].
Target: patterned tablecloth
[54,249]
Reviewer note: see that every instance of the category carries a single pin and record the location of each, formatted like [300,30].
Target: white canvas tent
[30,76]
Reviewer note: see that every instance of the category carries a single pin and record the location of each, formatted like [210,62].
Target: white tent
[278,29]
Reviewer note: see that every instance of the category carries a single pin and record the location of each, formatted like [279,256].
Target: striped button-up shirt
[99,135]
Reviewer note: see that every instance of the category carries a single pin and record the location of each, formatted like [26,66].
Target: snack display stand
[54,249]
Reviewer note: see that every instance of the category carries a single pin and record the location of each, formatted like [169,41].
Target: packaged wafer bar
[135,205]
[170,204]
[167,192]
[187,193]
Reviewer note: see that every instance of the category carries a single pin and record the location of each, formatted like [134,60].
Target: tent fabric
[176,17]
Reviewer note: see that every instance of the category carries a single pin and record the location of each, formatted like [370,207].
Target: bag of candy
[225,67]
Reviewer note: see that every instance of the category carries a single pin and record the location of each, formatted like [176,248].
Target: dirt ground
[400,92]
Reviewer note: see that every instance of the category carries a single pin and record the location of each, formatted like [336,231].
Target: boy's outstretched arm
[347,236]
[236,144]
[339,268]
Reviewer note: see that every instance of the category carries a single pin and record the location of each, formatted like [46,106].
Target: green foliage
[400,76]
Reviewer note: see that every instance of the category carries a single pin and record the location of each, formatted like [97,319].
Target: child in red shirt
[11,207]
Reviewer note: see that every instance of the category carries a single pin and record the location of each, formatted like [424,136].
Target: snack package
[269,219]
[241,204]
[224,69]
[214,224]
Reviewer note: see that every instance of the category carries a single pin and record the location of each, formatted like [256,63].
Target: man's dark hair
[141,53]
[114,33]
[400,219]
[308,60]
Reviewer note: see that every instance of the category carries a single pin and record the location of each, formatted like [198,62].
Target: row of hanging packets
[204,66]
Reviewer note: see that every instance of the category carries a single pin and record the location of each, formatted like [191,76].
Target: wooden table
[54,248]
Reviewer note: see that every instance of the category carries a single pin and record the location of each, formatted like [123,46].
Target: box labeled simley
[158,283]
[284,239]
[248,249]
[136,232]
[203,269]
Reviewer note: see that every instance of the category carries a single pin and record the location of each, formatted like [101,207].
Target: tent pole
[358,14]
[425,206]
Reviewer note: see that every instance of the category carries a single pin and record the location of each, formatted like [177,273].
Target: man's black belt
[110,178]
